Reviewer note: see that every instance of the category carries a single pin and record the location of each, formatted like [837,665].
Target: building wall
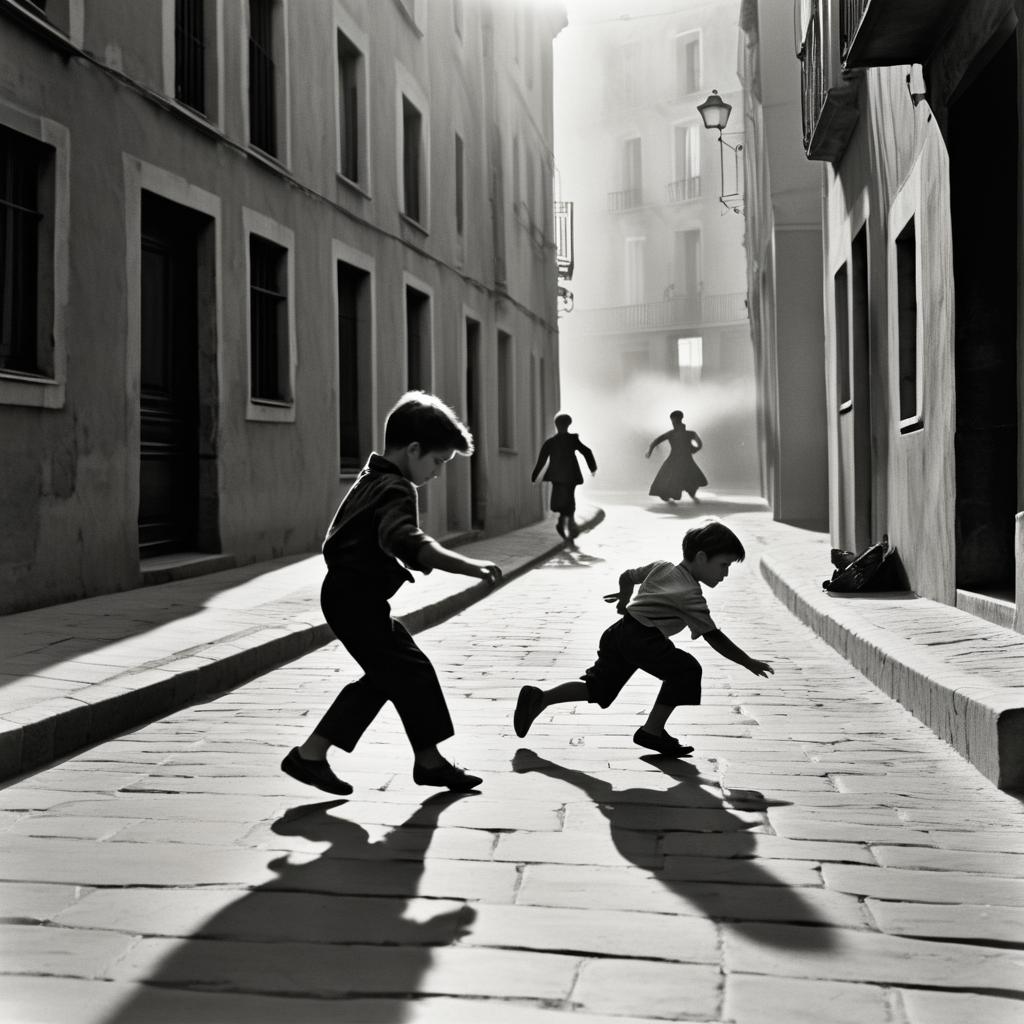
[96,83]
[617,80]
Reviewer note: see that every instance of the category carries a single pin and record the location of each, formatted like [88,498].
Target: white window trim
[47,392]
[411,281]
[675,60]
[214,88]
[406,87]
[344,23]
[906,206]
[690,125]
[283,103]
[342,253]
[262,410]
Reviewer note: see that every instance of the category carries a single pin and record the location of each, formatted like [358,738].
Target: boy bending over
[669,599]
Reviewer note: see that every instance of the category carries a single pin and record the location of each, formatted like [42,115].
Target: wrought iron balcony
[880,33]
[828,96]
[564,240]
[682,190]
[627,199]
[683,311]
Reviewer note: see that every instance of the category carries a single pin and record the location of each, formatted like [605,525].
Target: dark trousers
[628,645]
[394,668]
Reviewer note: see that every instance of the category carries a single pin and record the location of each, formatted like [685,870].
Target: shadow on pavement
[571,557]
[332,927]
[739,890]
[686,509]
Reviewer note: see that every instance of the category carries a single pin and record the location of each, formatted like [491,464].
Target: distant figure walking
[679,472]
[563,473]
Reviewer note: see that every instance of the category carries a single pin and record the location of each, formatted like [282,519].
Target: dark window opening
[842,338]
[906,299]
[21,164]
[460,186]
[506,372]
[353,344]
[190,54]
[262,127]
[417,337]
[349,71]
[268,308]
[412,142]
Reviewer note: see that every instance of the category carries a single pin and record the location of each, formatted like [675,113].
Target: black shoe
[663,744]
[314,773]
[448,775]
[528,707]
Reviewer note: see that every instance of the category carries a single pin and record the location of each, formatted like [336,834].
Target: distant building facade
[234,232]
[913,113]
[659,318]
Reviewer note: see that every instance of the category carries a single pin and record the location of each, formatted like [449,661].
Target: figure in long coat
[563,472]
[678,472]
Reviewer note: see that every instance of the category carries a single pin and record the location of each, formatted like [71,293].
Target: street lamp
[714,112]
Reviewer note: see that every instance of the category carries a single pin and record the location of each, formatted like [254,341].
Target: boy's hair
[713,538]
[563,418]
[675,414]
[419,416]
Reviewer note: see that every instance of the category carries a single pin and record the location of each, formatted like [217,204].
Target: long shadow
[571,557]
[333,928]
[687,509]
[737,890]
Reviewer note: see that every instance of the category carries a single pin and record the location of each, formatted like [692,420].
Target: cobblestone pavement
[822,857]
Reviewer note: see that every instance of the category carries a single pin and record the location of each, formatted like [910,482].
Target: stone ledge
[981,715]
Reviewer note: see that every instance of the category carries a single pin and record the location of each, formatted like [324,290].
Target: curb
[981,718]
[35,737]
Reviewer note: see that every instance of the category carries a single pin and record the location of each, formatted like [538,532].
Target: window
[842,299]
[23,162]
[687,64]
[354,333]
[506,392]
[460,185]
[635,285]
[412,159]
[686,156]
[906,318]
[350,75]
[690,358]
[516,186]
[262,89]
[687,262]
[417,339]
[632,171]
[190,54]
[268,321]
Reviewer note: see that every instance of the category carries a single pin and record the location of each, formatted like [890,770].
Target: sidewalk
[77,673]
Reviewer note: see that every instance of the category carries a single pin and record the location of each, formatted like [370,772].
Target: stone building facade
[235,231]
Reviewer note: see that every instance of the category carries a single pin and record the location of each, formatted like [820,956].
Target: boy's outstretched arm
[719,642]
[436,556]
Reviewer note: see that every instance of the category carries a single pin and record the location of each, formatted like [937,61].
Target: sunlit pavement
[822,857]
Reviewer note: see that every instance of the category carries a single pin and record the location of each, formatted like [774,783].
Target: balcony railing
[828,97]
[627,199]
[682,190]
[881,33]
[564,241]
[683,311]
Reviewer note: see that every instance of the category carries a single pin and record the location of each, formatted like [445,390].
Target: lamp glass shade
[714,111]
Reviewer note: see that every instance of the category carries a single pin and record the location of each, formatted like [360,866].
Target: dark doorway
[860,372]
[169,399]
[984,183]
[477,499]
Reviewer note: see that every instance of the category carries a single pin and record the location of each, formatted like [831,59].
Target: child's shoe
[448,775]
[663,744]
[528,707]
[314,773]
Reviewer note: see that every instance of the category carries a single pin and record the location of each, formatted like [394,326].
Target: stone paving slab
[173,875]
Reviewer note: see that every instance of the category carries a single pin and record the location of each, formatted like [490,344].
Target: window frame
[683,88]
[408,91]
[258,408]
[357,44]
[45,389]
[505,384]
[281,107]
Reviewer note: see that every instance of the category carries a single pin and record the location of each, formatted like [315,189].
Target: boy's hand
[489,571]
[759,668]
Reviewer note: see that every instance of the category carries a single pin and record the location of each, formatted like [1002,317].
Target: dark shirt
[559,451]
[376,533]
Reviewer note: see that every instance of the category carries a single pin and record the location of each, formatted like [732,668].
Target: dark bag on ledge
[876,569]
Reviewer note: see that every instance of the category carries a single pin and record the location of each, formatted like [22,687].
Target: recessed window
[23,164]
[412,159]
[506,395]
[190,54]
[417,339]
[350,128]
[354,340]
[687,64]
[906,318]
[262,72]
[686,156]
[460,185]
[841,287]
[268,321]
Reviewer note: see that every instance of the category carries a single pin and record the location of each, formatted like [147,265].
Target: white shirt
[669,599]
